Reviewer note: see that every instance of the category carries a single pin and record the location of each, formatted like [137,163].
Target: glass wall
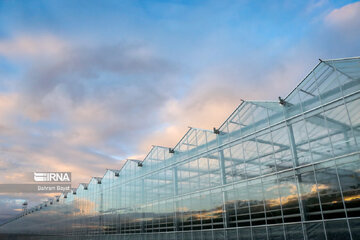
[273,170]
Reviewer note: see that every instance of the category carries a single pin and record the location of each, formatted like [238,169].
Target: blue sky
[85,84]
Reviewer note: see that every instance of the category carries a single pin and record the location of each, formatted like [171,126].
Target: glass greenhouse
[288,169]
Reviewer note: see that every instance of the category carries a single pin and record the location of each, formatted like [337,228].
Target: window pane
[289,199]
[349,175]
[315,231]
[276,232]
[330,195]
[355,228]
[309,197]
[337,230]
[294,231]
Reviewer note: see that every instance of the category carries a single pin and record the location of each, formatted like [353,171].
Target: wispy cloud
[345,20]
[315,4]
[30,46]
[80,102]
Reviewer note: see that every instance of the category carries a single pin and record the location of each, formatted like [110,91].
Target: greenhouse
[283,169]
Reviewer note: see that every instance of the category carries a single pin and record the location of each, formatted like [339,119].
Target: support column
[297,177]
[176,192]
[293,145]
[142,206]
[101,212]
[223,181]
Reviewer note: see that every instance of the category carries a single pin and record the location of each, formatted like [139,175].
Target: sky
[87,84]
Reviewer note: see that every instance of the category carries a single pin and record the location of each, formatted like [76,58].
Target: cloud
[345,20]
[125,70]
[92,94]
[30,46]
[84,101]
[315,4]
[7,104]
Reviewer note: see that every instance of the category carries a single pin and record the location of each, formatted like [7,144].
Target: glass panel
[244,233]
[234,164]
[259,233]
[276,232]
[354,115]
[330,195]
[294,231]
[289,199]
[315,231]
[338,123]
[231,234]
[309,196]
[257,204]
[349,175]
[337,230]
[303,153]
[318,135]
[355,228]
[282,152]
[272,202]
[242,207]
